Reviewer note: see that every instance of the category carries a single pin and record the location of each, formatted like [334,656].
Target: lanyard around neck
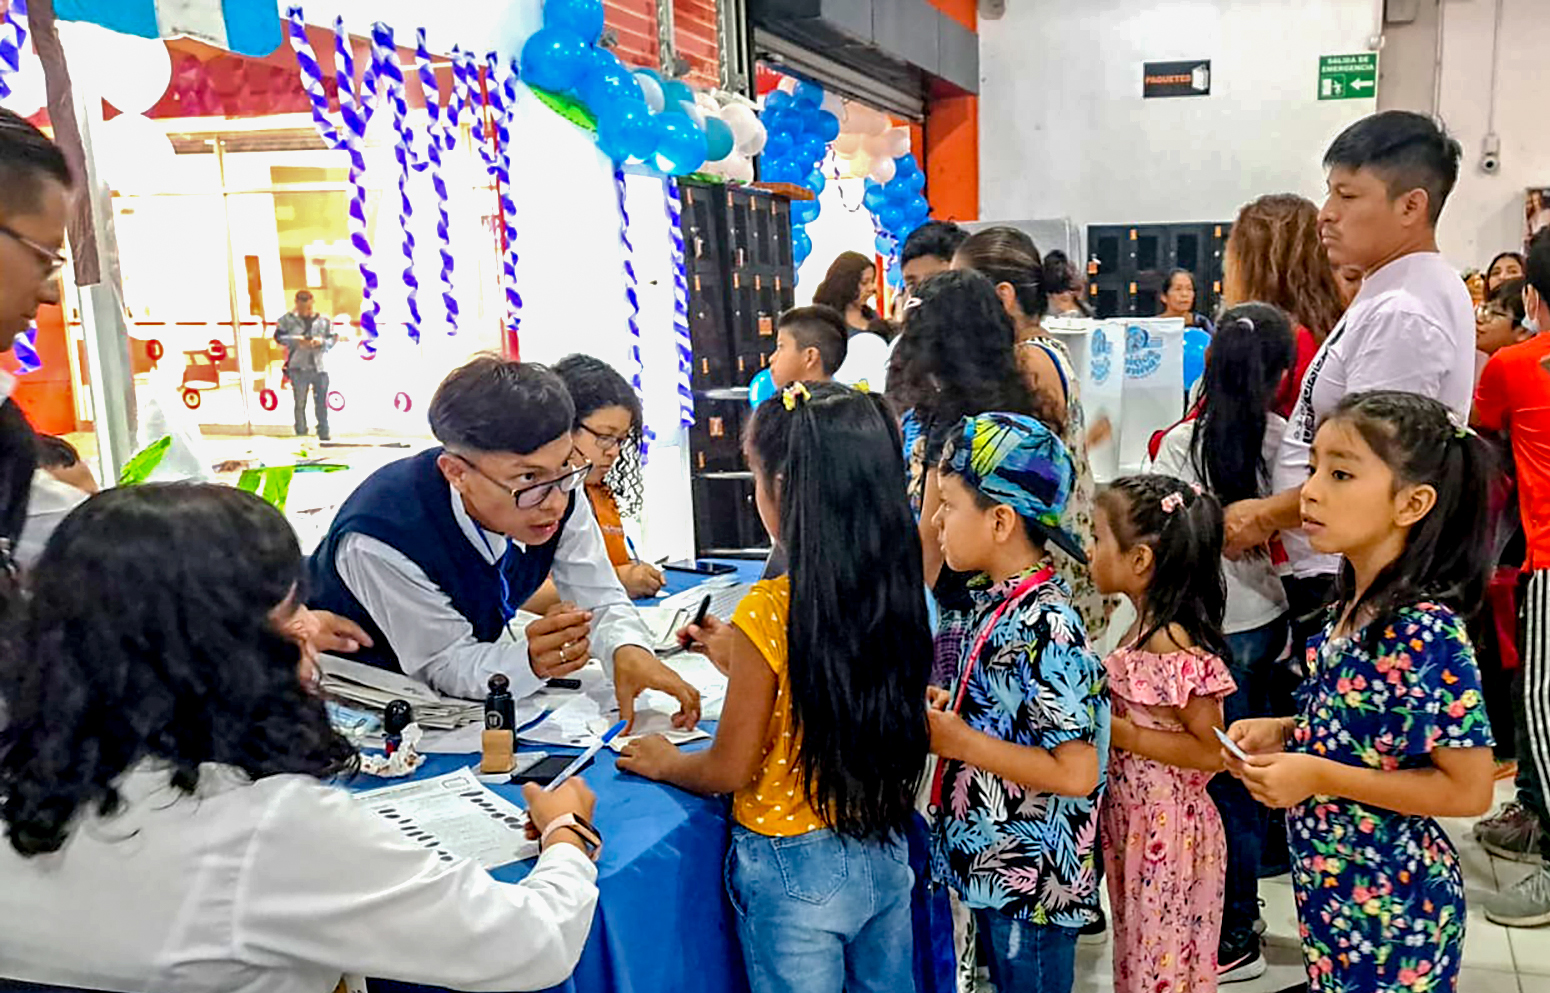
[507,610]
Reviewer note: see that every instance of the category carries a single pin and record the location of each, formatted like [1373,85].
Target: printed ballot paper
[455,816]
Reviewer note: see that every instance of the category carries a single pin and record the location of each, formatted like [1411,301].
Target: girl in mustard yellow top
[823,737]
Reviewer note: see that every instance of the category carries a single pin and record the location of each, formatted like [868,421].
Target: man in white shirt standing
[433,554]
[1410,328]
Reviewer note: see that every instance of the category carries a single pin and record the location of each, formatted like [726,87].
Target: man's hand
[560,642]
[1245,528]
[641,579]
[637,670]
[317,631]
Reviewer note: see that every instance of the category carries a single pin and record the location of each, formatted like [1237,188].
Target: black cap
[500,684]
[397,716]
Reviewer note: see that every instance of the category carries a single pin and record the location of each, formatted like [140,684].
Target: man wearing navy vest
[432,554]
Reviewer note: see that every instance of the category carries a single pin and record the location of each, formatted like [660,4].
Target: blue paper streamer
[439,136]
[384,56]
[681,336]
[26,351]
[13,36]
[632,298]
[502,99]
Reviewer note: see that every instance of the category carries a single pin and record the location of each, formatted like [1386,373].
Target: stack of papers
[370,688]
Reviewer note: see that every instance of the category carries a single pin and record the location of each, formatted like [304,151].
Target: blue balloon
[626,130]
[891,217]
[555,58]
[777,145]
[1196,342]
[762,388]
[680,144]
[804,211]
[898,190]
[917,180]
[815,181]
[884,244]
[875,198]
[584,17]
[777,100]
[916,210]
[609,82]
[808,93]
[826,125]
[801,245]
[905,165]
[676,93]
[810,150]
[895,274]
[779,121]
[777,170]
[719,140]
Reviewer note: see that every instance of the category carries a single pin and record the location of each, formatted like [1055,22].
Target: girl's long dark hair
[593,385]
[1485,276]
[1184,531]
[148,636]
[860,646]
[958,355]
[1447,556]
[842,283]
[1250,353]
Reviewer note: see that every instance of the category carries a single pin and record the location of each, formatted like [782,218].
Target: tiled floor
[1496,959]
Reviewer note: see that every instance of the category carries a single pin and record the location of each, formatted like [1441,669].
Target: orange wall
[45,396]
[952,140]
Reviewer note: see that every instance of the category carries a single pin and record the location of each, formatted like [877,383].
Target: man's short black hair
[496,405]
[27,157]
[1406,150]
[303,296]
[55,452]
[822,328]
[1536,264]
[939,238]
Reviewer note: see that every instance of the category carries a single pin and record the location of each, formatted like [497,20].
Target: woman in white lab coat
[162,785]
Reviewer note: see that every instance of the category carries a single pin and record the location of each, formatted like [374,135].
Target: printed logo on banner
[1143,353]
[1102,357]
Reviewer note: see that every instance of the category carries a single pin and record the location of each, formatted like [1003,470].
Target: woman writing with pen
[607,434]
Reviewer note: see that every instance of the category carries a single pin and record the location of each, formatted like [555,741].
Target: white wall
[1064,131]
[1485,214]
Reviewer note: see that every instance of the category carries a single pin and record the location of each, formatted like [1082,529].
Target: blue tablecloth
[663,923]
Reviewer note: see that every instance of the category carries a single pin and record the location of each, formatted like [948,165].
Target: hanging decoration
[501,96]
[799,130]
[441,136]
[681,337]
[632,299]
[13,41]
[868,146]
[384,56]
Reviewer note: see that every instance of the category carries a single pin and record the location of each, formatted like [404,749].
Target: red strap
[1039,578]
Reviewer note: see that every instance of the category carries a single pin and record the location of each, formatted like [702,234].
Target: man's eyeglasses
[530,497]
[605,442]
[52,261]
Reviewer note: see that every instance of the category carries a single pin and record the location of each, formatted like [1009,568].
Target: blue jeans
[1254,655]
[821,913]
[1024,957]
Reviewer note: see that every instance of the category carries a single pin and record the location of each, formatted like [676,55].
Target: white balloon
[737,166]
[693,112]
[788,84]
[847,145]
[866,361]
[742,120]
[861,165]
[136,153]
[883,169]
[878,146]
[130,73]
[898,141]
[651,91]
[706,103]
[861,119]
[28,91]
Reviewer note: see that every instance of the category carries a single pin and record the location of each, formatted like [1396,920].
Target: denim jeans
[1253,663]
[821,913]
[1027,958]
[301,381]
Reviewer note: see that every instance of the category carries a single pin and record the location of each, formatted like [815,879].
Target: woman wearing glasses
[433,554]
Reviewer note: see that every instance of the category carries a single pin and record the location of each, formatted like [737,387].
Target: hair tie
[1460,429]
[862,386]
[1173,501]
[1197,489]
[793,393]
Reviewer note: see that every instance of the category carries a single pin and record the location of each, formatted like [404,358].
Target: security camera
[1491,155]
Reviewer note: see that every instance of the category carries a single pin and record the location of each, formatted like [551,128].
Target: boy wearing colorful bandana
[1022,732]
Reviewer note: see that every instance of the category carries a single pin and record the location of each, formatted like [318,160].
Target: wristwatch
[591,837]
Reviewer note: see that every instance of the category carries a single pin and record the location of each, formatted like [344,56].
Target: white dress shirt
[277,886]
[1411,328]
[436,645]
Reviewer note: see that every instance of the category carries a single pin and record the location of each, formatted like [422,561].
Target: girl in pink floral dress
[1159,542]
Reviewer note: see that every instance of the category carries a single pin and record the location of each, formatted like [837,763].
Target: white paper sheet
[455,816]
[581,715]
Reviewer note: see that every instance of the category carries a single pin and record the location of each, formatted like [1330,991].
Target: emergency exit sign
[1348,77]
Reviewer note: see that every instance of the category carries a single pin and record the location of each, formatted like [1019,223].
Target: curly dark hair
[149,637]
[957,357]
[593,385]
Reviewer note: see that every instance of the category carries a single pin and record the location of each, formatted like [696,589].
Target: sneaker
[1094,933]
[1511,834]
[1525,904]
[1239,965]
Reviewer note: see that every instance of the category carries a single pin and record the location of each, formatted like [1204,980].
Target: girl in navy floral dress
[1392,731]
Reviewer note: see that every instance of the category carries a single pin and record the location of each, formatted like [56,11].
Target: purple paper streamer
[355,112]
[439,135]
[384,56]
[681,336]
[503,97]
[13,36]
[632,298]
[26,351]
[312,80]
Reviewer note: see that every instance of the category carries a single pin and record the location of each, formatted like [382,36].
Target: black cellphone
[564,683]
[545,770]
[701,567]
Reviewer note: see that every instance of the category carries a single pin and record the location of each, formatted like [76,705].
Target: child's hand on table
[651,756]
